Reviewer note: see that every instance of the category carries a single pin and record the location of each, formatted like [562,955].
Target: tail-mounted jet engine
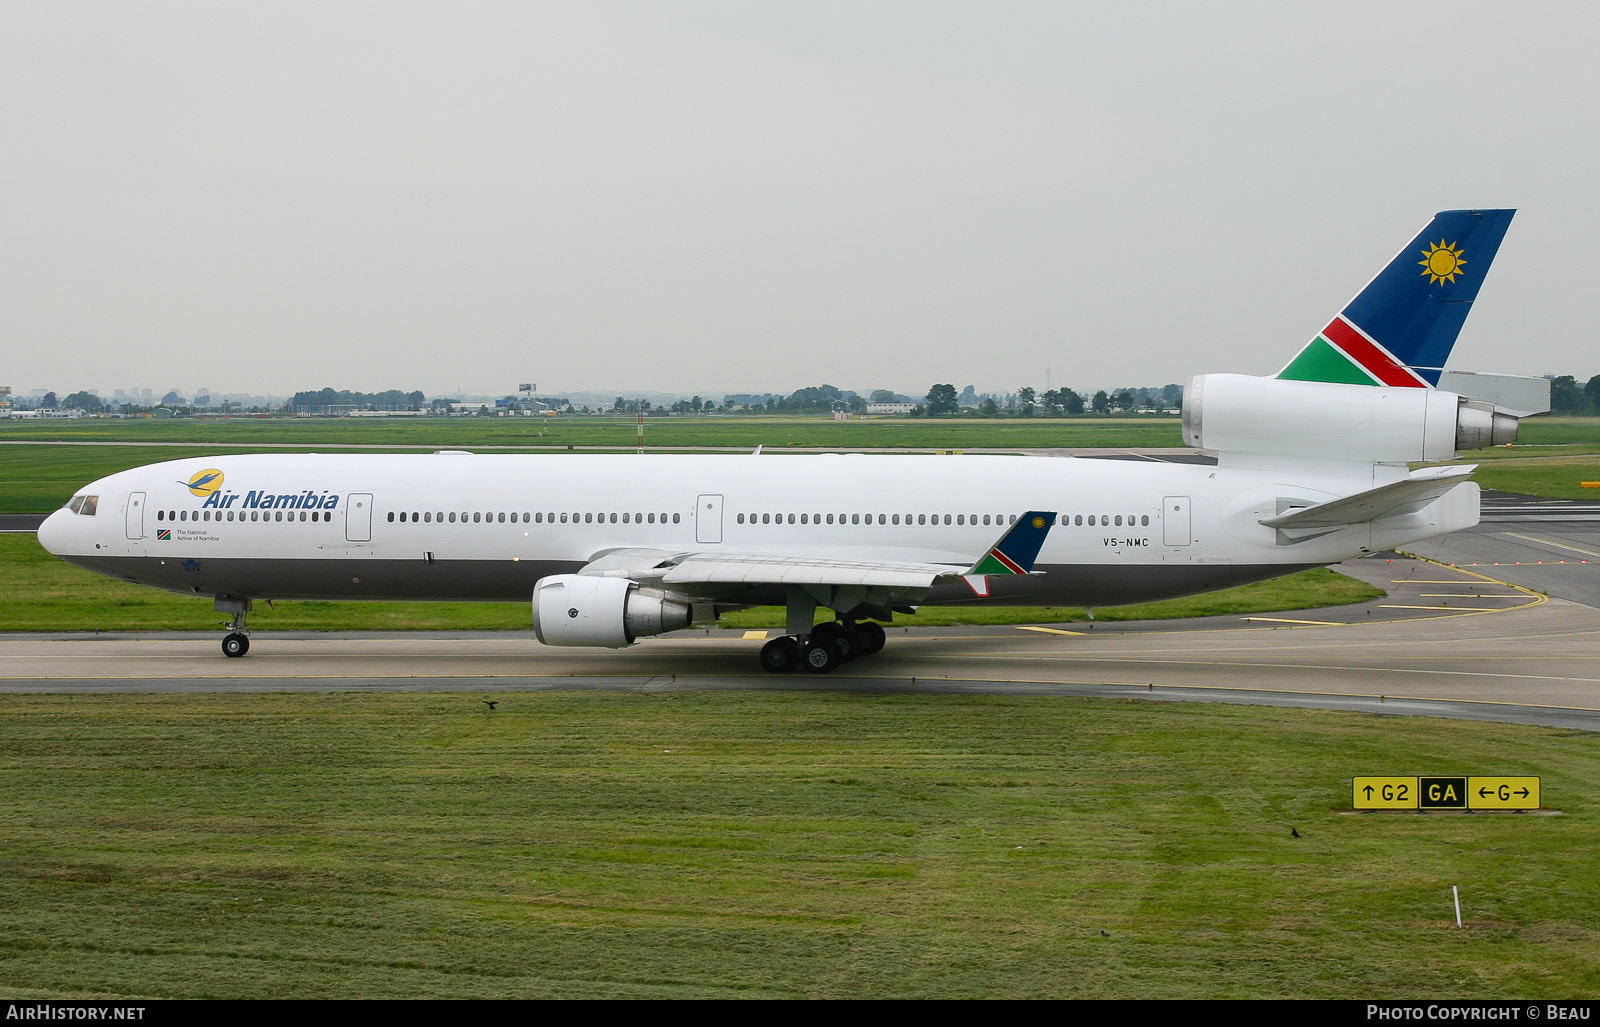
[1248,420]
[575,609]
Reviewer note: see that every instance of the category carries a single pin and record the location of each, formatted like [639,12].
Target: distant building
[889,408]
[43,414]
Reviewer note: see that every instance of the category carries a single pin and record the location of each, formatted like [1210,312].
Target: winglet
[1015,553]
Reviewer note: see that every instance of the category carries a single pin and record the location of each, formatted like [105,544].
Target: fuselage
[459,526]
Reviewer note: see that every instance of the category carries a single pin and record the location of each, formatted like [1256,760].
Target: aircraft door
[136,515]
[708,519]
[358,518]
[1176,529]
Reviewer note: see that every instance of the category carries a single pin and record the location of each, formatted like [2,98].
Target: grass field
[620,432]
[774,845]
[40,593]
[1554,456]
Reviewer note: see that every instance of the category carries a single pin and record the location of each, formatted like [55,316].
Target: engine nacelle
[577,609]
[1250,420]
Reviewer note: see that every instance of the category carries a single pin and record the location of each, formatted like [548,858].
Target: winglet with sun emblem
[1441,262]
[1015,553]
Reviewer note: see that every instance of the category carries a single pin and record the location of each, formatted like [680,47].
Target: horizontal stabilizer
[1400,497]
[1514,394]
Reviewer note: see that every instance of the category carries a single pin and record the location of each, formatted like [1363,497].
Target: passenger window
[830,518]
[653,518]
[986,518]
[161,515]
[674,518]
[563,518]
[947,518]
[613,518]
[1144,519]
[391,516]
[802,519]
[739,519]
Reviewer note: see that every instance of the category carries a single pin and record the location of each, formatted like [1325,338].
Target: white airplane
[1312,469]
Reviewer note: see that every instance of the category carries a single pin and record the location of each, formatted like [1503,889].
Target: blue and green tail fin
[1400,329]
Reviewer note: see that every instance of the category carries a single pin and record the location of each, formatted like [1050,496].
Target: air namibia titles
[310,499]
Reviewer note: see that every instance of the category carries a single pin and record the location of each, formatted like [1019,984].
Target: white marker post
[1457,896]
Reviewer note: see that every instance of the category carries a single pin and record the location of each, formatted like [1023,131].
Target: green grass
[41,593]
[620,432]
[773,845]
[37,479]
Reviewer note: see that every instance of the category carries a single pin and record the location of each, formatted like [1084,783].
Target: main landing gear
[826,647]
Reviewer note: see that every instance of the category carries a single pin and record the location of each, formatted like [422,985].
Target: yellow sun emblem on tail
[1038,522]
[1441,262]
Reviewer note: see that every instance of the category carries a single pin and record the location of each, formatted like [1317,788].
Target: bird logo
[204,483]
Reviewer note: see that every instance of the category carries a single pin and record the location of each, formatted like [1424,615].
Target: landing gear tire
[779,655]
[840,637]
[235,644]
[869,638]
[819,655]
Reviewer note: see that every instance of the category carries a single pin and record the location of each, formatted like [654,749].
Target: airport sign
[1446,793]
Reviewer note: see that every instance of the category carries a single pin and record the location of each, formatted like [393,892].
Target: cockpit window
[85,505]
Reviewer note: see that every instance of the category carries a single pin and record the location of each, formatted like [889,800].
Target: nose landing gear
[237,641]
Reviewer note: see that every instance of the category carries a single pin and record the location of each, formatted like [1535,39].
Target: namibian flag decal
[1343,353]
[164,534]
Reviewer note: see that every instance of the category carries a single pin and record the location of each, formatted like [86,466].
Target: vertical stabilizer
[1400,329]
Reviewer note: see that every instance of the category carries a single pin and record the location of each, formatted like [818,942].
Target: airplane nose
[53,532]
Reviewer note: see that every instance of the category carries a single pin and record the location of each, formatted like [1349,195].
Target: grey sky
[758,196]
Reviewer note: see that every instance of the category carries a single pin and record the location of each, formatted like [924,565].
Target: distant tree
[969,398]
[85,401]
[1592,390]
[989,408]
[857,404]
[883,395]
[919,410]
[1101,403]
[1172,395]
[1565,395]
[1051,398]
[942,399]
[1025,397]
[171,399]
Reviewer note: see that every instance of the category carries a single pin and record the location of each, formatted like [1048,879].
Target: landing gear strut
[237,641]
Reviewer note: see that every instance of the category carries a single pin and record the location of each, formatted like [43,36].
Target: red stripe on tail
[1385,368]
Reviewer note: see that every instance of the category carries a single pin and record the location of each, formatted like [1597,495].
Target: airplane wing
[1014,553]
[1400,497]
